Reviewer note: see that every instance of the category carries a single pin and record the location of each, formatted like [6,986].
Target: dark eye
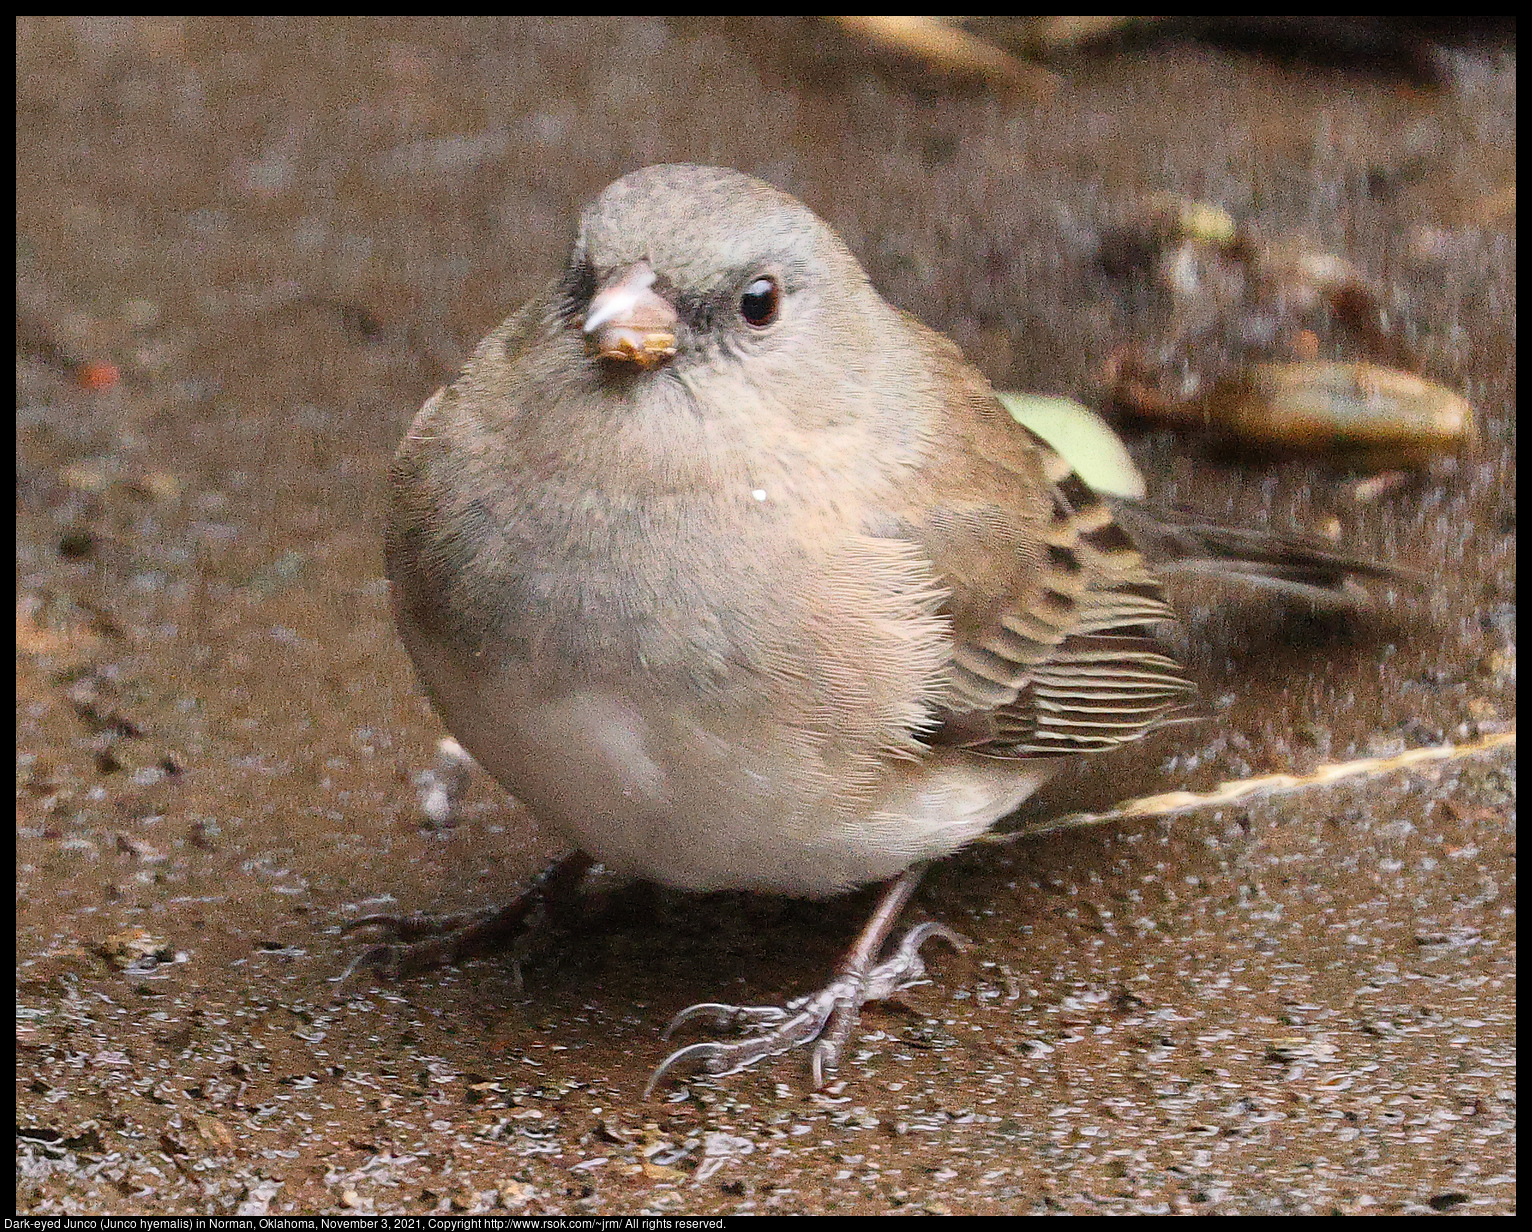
[759,304]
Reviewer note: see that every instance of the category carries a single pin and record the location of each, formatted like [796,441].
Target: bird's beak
[629,321]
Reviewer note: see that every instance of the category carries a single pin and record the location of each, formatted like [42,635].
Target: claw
[370,921]
[904,966]
[825,1019]
[825,1056]
[374,957]
[699,1057]
[719,1060]
[911,942]
[726,1017]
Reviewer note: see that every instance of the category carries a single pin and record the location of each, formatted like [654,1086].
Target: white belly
[702,803]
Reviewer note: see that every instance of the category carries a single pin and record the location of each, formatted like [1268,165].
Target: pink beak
[629,321]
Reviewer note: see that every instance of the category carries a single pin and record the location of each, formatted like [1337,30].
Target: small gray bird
[742,578]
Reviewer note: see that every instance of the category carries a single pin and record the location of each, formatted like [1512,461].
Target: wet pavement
[282,236]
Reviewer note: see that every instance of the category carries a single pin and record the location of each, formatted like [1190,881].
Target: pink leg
[824,1019]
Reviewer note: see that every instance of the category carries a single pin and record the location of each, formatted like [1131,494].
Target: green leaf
[1083,439]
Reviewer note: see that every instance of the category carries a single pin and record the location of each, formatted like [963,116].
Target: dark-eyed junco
[743,579]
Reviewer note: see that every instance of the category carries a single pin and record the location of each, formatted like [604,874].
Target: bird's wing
[1053,610]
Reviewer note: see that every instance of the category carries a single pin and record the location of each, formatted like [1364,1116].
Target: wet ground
[284,235]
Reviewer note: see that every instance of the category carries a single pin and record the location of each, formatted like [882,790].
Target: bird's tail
[1176,542]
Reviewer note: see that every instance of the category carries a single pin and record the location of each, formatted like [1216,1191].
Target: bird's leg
[825,1018]
[414,942]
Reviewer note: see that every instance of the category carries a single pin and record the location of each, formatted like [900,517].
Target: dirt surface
[284,235]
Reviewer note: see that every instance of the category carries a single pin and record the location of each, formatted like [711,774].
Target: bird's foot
[825,1018]
[416,942]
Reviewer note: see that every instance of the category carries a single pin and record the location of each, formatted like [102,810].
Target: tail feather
[1180,543]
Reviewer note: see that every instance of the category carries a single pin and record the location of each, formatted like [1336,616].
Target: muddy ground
[283,235]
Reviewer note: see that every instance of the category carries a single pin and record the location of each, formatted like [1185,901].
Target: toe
[726,1017]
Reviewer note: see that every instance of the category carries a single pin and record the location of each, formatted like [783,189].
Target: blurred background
[247,250]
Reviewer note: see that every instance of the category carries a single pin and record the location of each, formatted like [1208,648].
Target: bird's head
[682,267]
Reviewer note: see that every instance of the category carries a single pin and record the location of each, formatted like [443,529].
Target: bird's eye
[759,304]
